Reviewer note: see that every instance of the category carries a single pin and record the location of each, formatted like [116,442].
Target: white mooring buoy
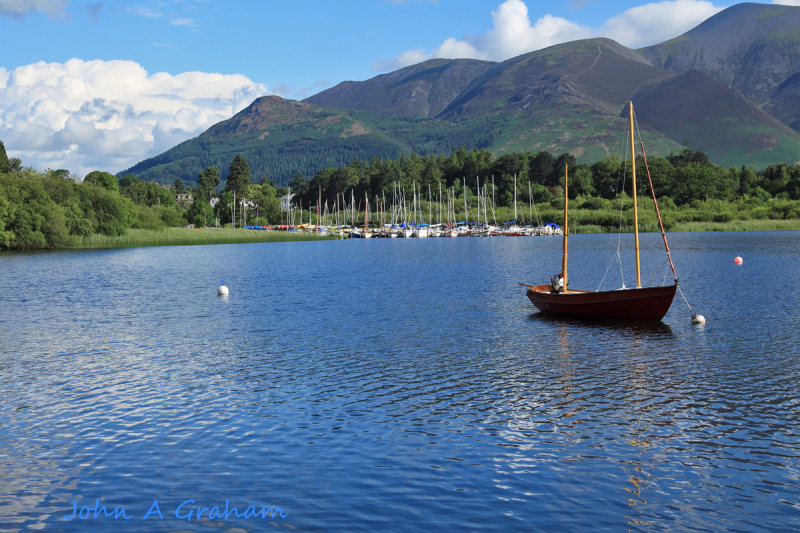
[222,290]
[698,319]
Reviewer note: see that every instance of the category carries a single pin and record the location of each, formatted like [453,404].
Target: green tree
[208,181]
[104,179]
[541,168]
[238,176]
[5,165]
[148,193]
[110,213]
[557,175]
[178,186]
[200,213]
[793,185]
[430,176]
[29,219]
[267,204]
[127,181]
[748,180]
[687,157]
[298,185]
[580,181]
[661,172]
[774,178]
[605,174]
[504,169]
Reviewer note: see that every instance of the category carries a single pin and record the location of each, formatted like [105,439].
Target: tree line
[680,178]
[53,209]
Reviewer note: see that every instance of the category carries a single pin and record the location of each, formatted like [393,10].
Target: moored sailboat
[639,303]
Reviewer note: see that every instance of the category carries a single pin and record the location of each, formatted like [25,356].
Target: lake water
[397,385]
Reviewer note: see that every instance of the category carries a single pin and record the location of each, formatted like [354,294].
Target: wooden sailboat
[640,303]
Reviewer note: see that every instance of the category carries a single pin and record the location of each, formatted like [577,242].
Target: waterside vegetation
[55,209]
[192,236]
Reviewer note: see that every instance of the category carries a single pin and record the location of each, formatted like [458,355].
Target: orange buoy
[737,260]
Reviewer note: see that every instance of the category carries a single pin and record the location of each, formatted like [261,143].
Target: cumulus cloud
[787,2]
[513,33]
[108,115]
[657,22]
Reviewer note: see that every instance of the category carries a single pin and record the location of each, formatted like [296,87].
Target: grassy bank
[738,225]
[693,225]
[184,236]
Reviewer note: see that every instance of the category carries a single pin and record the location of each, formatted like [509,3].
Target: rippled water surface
[397,385]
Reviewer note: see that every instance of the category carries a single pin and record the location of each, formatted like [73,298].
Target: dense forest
[54,209]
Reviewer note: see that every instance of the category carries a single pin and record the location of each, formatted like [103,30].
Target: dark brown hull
[650,303]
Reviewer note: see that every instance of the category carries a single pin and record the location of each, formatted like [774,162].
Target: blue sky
[105,84]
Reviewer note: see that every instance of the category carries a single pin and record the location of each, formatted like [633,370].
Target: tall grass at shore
[185,236]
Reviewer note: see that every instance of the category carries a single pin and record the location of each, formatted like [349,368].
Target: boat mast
[515,199]
[635,204]
[566,231]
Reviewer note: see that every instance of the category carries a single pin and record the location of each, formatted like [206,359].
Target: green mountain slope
[731,130]
[753,48]
[565,98]
[280,137]
[421,90]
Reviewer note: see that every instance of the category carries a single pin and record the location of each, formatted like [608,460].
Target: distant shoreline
[135,238]
[206,236]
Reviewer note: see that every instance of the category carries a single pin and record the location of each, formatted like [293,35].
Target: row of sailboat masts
[402,210]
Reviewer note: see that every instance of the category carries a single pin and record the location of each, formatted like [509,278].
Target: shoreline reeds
[190,236]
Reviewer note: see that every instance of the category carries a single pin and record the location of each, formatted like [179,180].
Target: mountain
[785,102]
[278,138]
[727,87]
[421,90]
[753,48]
[566,97]
[718,115]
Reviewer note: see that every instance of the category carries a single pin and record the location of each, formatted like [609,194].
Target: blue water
[398,385]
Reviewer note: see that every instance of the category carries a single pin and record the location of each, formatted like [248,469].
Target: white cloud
[787,2]
[108,115]
[186,22]
[657,22]
[513,34]
[146,12]
[19,8]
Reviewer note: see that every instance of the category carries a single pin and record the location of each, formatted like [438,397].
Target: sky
[103,85]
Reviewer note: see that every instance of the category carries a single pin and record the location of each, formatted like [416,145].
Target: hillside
[565,98]
[720,116]
[421,90]
[562,98]
[753,48]
[279,138]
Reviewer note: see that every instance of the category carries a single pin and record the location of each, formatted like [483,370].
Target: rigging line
[623,171]
[610,263]
[691,309]
[658,213]
[653,193]
[663,234]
